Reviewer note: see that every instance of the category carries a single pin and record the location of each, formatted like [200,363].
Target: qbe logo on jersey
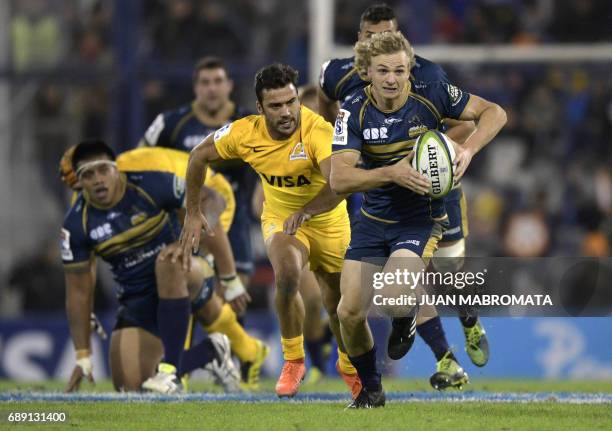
[341,128]
[375,133]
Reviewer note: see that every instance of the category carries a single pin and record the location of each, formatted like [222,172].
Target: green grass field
[291,415]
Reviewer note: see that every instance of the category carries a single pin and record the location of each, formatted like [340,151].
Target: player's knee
[127,382]
[448,264]
[287,280]
[350,315]
[170,278]
[450,258]
[131,384]
[166,267]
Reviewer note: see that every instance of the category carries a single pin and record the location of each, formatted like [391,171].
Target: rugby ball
[433,157]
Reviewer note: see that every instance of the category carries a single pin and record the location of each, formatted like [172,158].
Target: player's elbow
[501,115]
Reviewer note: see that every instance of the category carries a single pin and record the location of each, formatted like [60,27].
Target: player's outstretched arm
[195,221]
[489,118]
[346,178]
[79,302]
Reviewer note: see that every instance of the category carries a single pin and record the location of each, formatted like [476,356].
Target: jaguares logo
[298,152]
[287,180]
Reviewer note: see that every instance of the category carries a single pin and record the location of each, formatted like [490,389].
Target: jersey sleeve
[449,99]
[428,71]
[346,133]
[158,133]
[439,74]
[75,249]
[227,141]
[321,140]
[327,81]
[166,189]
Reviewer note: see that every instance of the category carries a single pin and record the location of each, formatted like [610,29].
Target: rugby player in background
[338,81]
[397,219]
[131,221]
[217,317]
[303,221]
[185,127]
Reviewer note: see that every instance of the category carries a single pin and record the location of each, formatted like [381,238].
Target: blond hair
[388,42]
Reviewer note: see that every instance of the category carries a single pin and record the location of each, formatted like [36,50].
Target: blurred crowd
[489,21]
[543,187]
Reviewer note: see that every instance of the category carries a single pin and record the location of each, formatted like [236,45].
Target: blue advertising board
[38,348]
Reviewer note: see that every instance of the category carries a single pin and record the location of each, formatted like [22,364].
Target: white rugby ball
[433,157]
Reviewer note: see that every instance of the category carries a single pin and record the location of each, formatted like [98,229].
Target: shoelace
[473,336]
[445,362]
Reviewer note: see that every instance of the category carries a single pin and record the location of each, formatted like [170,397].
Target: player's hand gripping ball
[433,157]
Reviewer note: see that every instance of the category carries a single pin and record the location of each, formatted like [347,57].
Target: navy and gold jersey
[339,78]
[128,235]
[384,137]
[182,129]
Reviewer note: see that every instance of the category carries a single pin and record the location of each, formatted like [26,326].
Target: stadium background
[73,68]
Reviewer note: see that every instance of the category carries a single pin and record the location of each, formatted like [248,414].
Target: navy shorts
[140,311]
[376,239]
[456,208]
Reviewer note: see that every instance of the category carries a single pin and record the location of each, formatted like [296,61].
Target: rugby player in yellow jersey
[303,221]
[216,316]
[317,334]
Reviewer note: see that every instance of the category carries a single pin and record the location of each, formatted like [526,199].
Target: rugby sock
[243,345]
[293,348]
[198,356]
[366,368]
[468,321]
[433,334]
[315,352]
[344,363]
[173,321]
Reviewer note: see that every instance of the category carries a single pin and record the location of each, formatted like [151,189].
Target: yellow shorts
[218,183]
[326,242]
